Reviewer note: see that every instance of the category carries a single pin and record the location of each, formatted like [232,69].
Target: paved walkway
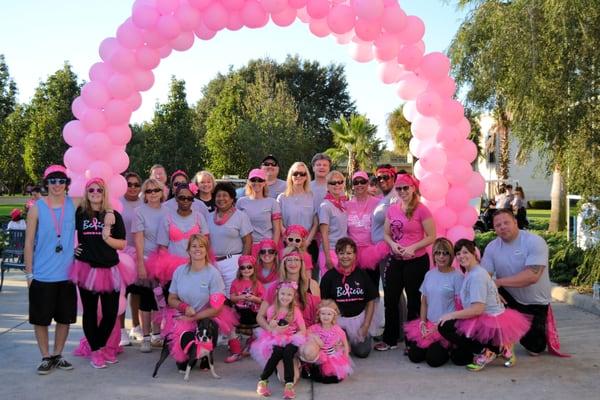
[386,375]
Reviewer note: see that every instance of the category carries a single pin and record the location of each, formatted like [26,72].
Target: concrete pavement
[387,375]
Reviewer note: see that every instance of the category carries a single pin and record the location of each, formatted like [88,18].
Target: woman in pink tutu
[282,331]
[267,263]
[484,327]
[333,364]
[97,270]
[440,293]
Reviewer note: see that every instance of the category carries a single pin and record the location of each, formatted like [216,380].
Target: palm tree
[355,140]
[399,129]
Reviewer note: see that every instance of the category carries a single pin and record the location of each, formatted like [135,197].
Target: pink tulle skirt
[161,264]
[262,347]
[501,330]
[322,262]
[102,279]
[112,345]
[336,363]
[369,256]
[412,331]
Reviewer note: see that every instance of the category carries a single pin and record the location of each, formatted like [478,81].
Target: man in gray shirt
[271,167]
[519,260]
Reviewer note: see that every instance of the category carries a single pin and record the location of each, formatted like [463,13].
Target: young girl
[295,237]
[247,294]
[283,331]
[484,327]
[267,265]
[333,364]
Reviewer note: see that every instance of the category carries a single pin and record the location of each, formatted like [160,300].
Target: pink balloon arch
[373,30]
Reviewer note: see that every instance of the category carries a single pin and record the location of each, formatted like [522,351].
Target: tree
[399,129]
[355,140]
[8,91]
[49,111]
[12,133]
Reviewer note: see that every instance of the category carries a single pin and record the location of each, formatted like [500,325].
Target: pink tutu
[172,330]
[227,320]
[412,330]
[161,264]
[102,279]
[112,345]
[500,330]
[262,347]
[322,262]
[337,364]
[369,256]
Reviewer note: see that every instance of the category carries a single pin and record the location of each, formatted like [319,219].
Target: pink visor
[360,174]
[55,168]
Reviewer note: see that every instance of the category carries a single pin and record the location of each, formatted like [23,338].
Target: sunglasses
[298,173]
[294,240]
[177,184]
[333,183]
[359,182]
[267,251]
[155,190]
[57,181]
[255,180]
[133,184]
[246,267]
[269,164]
[441,253]
[383,178]
[95,190]
[185,198]
[402,188]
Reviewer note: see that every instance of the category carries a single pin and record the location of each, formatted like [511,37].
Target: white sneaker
[124,338]
[146,345]
[136,334]
[156,340]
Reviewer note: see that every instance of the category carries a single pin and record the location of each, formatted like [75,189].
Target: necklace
[57,224]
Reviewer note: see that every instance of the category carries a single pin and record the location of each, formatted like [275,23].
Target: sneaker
[481,360]
[233,358]
[97,360]
[45,366]
[383,346]
[61,363]
[262,388]
[288,391]
[156,340]
[510,357]
[109,356]
[125,341]
[146,346]
[136,334]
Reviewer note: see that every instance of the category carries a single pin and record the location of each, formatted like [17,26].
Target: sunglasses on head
[441,253]
[402,188]
[246,267]
[57,181]
[155,190]
[359,182]
[255,180]
[267,251]
[333,183]
[133,184]
[294,240]
[298,173]
[269,164]
[383,178]
[95,190]
[185,198]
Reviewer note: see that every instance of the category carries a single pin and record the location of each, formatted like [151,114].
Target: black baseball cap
[270,157]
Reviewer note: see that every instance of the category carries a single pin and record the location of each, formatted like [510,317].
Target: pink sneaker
[289,392]
[97,360]
[109,355]
[262,388]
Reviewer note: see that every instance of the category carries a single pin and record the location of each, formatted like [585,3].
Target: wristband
[182,307]
[28,276]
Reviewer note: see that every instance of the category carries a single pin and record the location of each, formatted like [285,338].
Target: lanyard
[57,224]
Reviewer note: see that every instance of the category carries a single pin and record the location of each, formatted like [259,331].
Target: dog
[198,345]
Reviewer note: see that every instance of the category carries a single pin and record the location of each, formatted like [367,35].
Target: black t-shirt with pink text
[94,249]
[352,294]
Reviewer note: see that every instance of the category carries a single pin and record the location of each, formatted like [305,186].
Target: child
[247,294]
[295,236]
[283,331]
[333,364]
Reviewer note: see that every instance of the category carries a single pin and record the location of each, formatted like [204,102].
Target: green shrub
[539,204]
[538,224]
[588,272]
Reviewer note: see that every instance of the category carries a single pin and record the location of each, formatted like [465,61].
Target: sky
[38,36]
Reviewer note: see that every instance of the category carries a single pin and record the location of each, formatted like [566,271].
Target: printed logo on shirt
[349,293]
[93,227]
[397,230]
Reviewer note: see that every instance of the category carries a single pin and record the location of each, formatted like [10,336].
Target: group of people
[295,266]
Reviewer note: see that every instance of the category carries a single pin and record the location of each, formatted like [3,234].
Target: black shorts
[52,300]
[146,294]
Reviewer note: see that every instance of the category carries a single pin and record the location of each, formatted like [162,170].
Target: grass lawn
[538,213]
[5,209]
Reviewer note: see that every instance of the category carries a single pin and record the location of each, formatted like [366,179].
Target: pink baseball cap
[15,214]
[55,168]
[258,173]
[360,174]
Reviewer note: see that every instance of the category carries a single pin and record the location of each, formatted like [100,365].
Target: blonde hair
[331,175]
[203,241]
[412,204]
[250,190]
[155,182]
[86,206]
[290,314]
[290,182]
[303,281]
[199,175]
[329,304]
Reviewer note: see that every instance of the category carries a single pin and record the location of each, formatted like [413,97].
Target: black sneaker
[61,363]
[46,366]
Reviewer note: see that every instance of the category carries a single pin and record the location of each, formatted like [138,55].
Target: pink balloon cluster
[376,30]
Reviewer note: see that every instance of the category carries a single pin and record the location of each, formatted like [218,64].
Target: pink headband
[407,179]
[288,285]
[258,173]
[391,171]
[267,243]
[292,254]
[334,311]
[54,168]
[360,174]
[246,259]
[298,229]
[98,181]
[178,172]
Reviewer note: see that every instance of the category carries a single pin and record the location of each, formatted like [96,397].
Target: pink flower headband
[288,285]
[299,229]
[193,188]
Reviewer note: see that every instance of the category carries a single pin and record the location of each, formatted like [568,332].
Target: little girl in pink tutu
[333,364]
[484,327]
[278,338]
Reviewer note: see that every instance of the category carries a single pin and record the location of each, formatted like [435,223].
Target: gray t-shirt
[508,259]
[379,217]
[261,213]
[197,206]
[128,215]
[277,188]
[478,287]
[297,209]
[148,220]
[195,288]
[176,229]
[337,221]
[441,290]
[319,192]
[226,239]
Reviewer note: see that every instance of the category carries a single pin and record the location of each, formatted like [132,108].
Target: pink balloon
[387,47]
[129,35]
[457,198]
[368,9]
[134,101]
[77,186]
[389,72]
[235,21]
[168,27]
[344,38]
[100,72]
[215,17]
[144,16]
[274,6]
[254,15]
[418,171]
[467,217]
[435,66]
[117,186]
[120,86]
[166,7]
[367,30]
[424,128]
[457,171]
[119,161]
[434,160]
[119,134]
[413,30]
[200,4]
[433,205]
[341,19]
[303,15]
[428,104]
[317,9]
[433,186]
[409,110]
[475,185]
[233,4]
[93,120]
[451,112]
[297,4]
[410,86]
[74,133]
[445,87]
[467,151]
[419,147]
[117,112]
[122,59]
[154,39]
[449,138]
[464,127]
[147,58]
[107,47]
[165,51]
[361,52]
[319,27]
[78,107]
[410,56]
[142,79]
[285,17]
[96,145]
[204,33]
[188,17]
[99,169]
[394,19]
[445,217]
[458,232]
[183,42]
[76,159]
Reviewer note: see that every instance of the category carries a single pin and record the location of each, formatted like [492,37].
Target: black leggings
[286,354]
[436,355]
[400,275]
[96,333]
[450,333]
[535,338]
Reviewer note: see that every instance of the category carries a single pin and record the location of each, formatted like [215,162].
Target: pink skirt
[112,345]
[412,331]
[337,363]
[322,263]
[161,264]
[102,279]
[369,256]
[501,330]
[262,347]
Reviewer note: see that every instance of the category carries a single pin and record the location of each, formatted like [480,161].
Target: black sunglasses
[294,240]
[269,164]
[383,178]
[246,267]
[185,198]
[133,184]
[359,182]
[333,183]
[267,251]
[177,184]
[298,173]
[441,253]
[95,190]
[155,190]
[402,188]
[254,180]
[57,181]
